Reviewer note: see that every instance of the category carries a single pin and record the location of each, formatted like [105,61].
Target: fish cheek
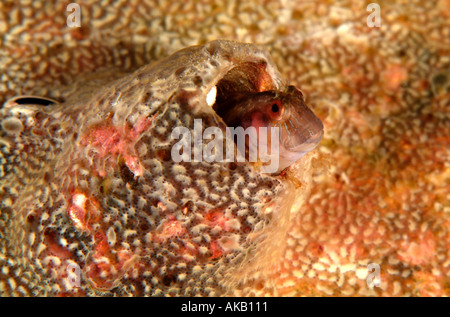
[258,120]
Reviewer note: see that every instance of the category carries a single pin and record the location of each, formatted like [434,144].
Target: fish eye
[275,108]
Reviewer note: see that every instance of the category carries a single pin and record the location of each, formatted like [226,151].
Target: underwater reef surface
[383,94]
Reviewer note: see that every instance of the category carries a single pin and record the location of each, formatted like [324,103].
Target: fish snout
[304,130]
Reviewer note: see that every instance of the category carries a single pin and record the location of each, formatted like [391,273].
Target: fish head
[298,128]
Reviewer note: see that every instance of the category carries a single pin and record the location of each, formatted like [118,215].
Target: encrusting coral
[383,94]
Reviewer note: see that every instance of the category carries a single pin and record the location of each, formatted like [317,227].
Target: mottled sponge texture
[383,94]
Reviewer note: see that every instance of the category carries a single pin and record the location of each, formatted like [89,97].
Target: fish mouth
[304,137]
[288,155]
[308,145]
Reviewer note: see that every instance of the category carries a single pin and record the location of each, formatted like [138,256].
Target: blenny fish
[299,128]
[93,204]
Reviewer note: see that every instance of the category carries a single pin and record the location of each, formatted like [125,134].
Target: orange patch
[77,211]
[55,248]
[106,265]
[216,250]
[83,211]
[112,141]
[172,228]
[393,76]
[420,252]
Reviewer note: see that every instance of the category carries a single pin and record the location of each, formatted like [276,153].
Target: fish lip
[308,145]
[317,137]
